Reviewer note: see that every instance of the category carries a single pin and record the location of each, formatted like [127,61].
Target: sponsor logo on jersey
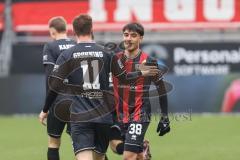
[134,137]
[127,86]
[92,94]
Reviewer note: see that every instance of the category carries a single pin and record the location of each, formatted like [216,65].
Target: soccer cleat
[146,150]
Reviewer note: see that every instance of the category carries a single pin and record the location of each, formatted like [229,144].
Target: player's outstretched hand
[42,116]
[163,126]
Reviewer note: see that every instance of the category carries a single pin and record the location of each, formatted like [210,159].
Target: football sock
[53,154]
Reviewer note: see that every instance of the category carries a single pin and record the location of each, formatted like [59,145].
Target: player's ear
[52,33]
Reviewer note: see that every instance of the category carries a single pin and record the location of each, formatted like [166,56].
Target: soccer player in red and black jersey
[133,111]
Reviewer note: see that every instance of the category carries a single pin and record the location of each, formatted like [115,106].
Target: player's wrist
[139,73]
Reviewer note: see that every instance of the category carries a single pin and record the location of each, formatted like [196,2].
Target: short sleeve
[60,62]
[48,57]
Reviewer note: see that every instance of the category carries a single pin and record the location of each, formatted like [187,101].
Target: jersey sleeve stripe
[49,63]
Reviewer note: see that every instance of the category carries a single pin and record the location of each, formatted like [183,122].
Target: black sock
[53,154]
[119,148]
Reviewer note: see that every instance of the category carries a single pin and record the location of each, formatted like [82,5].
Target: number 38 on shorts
[135,129]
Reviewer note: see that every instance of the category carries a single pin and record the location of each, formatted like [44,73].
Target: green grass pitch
[197,137]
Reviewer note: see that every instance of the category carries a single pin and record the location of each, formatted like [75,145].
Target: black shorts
[90,136]
[55,126]
[132,134]
[116,133]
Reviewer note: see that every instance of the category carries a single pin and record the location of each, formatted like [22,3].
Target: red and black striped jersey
[131,96]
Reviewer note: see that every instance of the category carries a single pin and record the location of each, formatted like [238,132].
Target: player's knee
[129,155]
[140,156]
[117,146]
[54,142]
[85,155]
[98,156]
[120,148]
[129,158]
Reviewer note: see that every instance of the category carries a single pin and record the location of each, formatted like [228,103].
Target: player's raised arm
[118,70]
[147,70]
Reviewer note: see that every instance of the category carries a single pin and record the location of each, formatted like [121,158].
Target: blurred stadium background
[198,39]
